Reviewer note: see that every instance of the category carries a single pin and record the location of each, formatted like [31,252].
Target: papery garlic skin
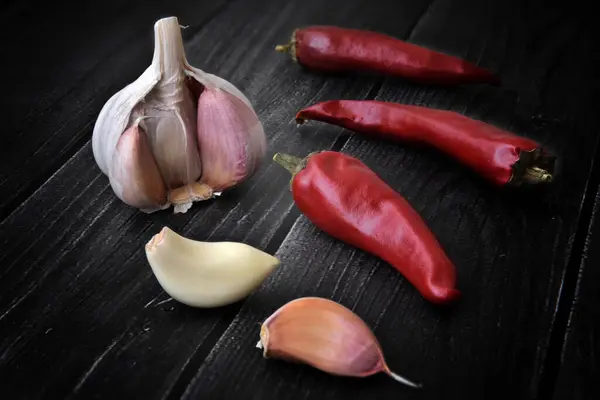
[206,274]
[115,116]
[172,139]
[164,102]
[325,335]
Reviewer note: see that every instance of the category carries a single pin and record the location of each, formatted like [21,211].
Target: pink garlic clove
[231,139]
[325,335]
[134,175]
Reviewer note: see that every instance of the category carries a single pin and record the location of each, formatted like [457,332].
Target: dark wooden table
[82,316]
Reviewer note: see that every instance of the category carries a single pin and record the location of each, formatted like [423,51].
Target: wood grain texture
[580,359]
[82,313]
[66,59]
[79,307]
[511,249]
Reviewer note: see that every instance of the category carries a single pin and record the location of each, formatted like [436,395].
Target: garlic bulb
[176,134]
[206,274]
[325,335]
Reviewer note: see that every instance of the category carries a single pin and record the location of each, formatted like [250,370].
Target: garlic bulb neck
[169,53]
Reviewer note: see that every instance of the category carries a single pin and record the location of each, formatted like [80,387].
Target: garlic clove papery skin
[134,176]
[115,116]
[164,101]
[231,139]
[172,139]
[206,274]
[325,335]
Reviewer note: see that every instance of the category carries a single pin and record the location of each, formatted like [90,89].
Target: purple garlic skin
[231,140]
[135,177]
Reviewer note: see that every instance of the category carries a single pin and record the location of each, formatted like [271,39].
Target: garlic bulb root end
[190,193]
[183,197]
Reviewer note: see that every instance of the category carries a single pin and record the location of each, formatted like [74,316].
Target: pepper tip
[444,297]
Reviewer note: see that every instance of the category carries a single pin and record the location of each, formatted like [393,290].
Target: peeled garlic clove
[134,175]
[326,336]
[231,140]
[165,98]
[206,274]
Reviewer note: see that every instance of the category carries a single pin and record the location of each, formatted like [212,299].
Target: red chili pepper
[347,200]
[332,49]
[499,156]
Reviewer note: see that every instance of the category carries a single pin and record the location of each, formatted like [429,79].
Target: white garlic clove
[231,139]
[134,174]
[206,274]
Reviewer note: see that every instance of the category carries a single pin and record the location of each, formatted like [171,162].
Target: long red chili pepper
[333,49]
[346,199]
[499,156]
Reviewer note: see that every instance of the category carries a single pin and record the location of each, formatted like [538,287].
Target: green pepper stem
[288,48]
[537,175]
[291,163]
[283,48]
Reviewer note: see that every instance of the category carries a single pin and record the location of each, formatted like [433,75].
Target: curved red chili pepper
[346,199]
[330,48]
[499,156]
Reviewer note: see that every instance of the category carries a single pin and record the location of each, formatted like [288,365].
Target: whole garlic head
[176,134]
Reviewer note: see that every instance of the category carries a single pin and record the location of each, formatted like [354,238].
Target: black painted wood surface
[81,315]
[580,367]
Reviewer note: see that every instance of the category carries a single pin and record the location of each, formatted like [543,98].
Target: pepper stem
[288,48]
[537,175]
[283,48]
[291,163]
[402,379]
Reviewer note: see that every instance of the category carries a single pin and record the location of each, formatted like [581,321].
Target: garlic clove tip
[402,379]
